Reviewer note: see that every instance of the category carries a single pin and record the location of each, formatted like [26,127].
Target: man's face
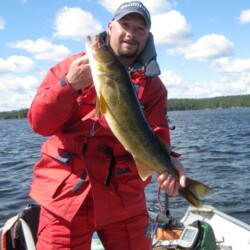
[128,37]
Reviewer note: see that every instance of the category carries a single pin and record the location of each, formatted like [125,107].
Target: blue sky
[203,46]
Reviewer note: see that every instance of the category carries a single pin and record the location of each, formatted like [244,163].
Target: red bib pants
[55,233]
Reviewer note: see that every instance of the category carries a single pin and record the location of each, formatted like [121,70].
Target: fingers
[181,171]
[182,181]
[79,75]
[83,60]
[168,184]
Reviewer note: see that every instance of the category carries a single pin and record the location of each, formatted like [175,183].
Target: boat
[229,232]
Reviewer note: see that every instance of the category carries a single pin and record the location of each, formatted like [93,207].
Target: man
[74,181]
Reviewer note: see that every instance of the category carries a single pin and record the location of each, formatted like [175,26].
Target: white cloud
[11,83]
[208,47]
[226,85]
[111,5]
[156,6]
[42,49]
[170,79]
[75,23]
[6,66]
[245,16]
[23,1]
[235,66]
[14,101]
[17,64]
[2,23]
[176,29]
[17,92]
[175,84]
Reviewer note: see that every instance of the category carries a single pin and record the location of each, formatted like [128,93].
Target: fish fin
[190,197]
[194,190]
[165,146]
[144,172]
[97,108]
[197,188]
[100,106]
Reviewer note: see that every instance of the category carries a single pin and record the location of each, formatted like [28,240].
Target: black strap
[110,171]
[108,151]
[80,182]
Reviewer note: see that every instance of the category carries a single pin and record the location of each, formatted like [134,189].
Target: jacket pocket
[50,175]
[129,184]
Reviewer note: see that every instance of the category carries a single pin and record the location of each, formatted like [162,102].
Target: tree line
[14,114]
[222,102]
[240,101]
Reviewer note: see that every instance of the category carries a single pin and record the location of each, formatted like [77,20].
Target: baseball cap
[133,7]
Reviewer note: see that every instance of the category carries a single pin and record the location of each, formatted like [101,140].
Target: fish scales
[118,102]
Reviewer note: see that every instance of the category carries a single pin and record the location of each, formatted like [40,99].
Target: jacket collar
[146,60]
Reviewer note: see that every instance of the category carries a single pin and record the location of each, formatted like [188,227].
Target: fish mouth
[91,44]
[89,40]
[94,44]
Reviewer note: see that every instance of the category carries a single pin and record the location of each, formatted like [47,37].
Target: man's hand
[79,75]
[168,183]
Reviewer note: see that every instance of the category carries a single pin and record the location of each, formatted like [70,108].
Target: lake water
[215,148]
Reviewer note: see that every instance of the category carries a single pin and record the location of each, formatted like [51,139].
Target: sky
[202,45]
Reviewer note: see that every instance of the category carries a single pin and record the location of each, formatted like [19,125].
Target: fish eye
[104,46]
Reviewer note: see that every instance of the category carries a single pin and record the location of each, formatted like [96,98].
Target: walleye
[118,102]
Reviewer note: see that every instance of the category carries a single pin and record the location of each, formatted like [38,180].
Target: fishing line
[161,211]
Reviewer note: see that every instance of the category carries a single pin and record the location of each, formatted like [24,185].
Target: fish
[117,100]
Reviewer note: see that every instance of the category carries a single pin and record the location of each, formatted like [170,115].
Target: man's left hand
[168,183]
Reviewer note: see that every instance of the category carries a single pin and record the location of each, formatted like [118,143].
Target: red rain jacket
[78,154]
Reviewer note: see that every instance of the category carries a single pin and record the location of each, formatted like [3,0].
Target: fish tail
[194,190]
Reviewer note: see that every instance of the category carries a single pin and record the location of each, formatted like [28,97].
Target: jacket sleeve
[154,102]
[54,102]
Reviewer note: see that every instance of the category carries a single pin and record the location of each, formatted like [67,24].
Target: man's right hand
[79,75]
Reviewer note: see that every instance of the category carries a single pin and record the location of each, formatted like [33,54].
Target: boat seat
[20,232]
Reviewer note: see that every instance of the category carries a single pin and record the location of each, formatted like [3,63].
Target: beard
[127,53]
